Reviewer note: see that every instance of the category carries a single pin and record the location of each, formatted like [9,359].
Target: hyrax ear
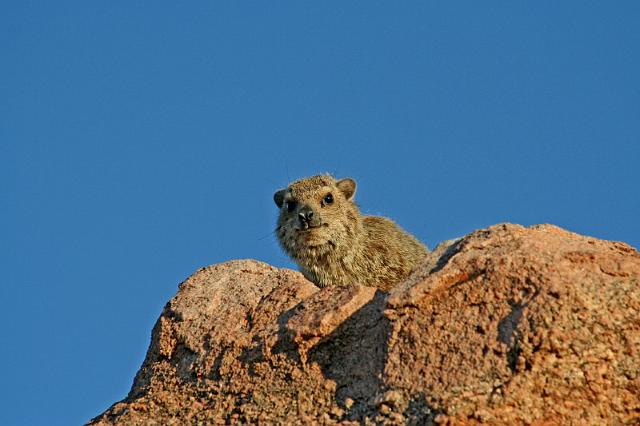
[278,197]
[348,187]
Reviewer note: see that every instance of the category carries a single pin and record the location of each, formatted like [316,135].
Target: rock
[507,325]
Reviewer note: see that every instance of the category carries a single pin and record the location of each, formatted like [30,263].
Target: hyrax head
[315,211]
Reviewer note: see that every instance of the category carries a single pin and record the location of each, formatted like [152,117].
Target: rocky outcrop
[508,325]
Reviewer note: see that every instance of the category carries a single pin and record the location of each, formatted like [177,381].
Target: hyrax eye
[291,205]
[328,199]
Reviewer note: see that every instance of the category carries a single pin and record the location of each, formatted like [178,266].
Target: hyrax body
[323,231]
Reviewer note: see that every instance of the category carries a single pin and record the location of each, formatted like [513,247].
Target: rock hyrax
[321,228]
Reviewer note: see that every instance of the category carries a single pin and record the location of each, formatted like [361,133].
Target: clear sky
[140,141]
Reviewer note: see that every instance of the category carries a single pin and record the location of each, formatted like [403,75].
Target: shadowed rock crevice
[353,355]
[508,325]
[419,412]
[450,248]
[285,343]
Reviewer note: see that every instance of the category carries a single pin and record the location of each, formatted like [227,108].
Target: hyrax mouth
[308,227]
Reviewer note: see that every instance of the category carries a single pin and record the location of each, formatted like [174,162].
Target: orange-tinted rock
[508,325]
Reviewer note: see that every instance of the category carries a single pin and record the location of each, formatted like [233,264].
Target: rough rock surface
[508,325]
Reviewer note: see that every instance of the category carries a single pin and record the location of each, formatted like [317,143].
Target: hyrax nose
[305,214]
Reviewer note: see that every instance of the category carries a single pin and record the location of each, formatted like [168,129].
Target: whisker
[270,234]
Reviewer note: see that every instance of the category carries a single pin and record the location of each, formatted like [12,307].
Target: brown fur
[336,244]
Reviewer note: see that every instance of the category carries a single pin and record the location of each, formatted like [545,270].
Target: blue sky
[139,142]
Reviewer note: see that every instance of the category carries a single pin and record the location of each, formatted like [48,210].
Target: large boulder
[508,325]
